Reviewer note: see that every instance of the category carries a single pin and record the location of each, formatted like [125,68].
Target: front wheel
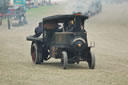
[36,53]
[64,59]
[91,60]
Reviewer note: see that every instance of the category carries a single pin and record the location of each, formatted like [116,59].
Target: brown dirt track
[109,30]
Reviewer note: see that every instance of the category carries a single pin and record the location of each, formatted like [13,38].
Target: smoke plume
[114,1]
[86,7]
[89,7]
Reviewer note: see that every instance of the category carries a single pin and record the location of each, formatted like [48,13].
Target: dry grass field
[109,30]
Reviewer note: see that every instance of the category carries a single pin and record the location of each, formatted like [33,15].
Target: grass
[35,14]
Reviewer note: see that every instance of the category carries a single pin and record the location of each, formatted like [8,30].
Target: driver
[70,26]
[39,30]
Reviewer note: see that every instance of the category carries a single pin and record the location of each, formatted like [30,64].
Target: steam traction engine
[60,42]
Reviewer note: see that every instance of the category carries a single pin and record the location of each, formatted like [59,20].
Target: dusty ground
[109,31]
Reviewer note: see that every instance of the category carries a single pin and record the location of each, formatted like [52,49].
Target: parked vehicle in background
[15,13]
[3,9]
[18,12]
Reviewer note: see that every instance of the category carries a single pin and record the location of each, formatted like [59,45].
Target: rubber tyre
[64,59]
[91,61]
[36,53]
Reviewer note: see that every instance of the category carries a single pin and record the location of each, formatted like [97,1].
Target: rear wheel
[64,59]
[36,53]
[91,60]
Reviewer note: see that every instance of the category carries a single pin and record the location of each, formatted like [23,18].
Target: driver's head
[40,24]
[71,22]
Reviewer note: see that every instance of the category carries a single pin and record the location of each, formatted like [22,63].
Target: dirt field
[110,32]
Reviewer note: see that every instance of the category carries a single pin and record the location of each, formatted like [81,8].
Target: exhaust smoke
[86,7]
[114,1]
